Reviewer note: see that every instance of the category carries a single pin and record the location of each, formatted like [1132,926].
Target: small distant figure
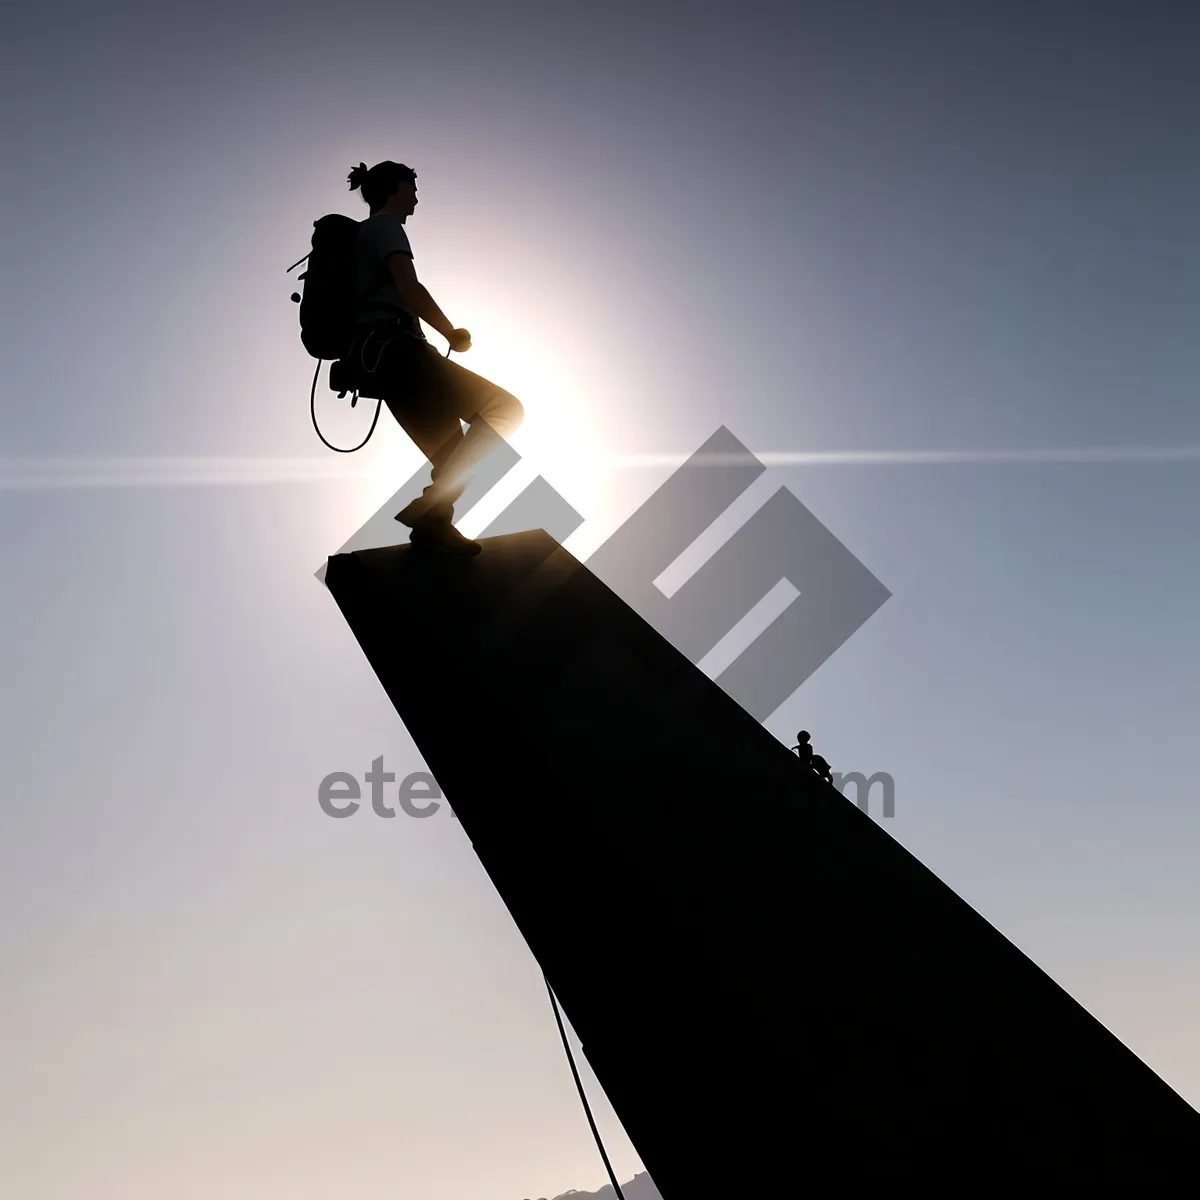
[803,748]
[822,768]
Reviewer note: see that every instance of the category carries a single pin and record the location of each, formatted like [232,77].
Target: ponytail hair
[377,183]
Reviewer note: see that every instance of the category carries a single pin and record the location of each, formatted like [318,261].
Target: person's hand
[459,340]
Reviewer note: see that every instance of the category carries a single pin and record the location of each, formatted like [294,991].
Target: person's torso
[378,297]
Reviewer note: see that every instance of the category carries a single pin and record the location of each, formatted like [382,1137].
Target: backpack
[327,308]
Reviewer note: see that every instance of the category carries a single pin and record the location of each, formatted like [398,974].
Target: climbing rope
[312,396]
[312,408]
[582,1096]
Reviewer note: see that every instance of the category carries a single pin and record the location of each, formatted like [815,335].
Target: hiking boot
[427,506]
[435,532]
[422,508]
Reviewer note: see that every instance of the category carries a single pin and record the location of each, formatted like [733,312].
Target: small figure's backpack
[327,308]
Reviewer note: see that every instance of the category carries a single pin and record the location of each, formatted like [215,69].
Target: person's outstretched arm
[415,296]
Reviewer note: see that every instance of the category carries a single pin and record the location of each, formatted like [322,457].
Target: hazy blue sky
[832,227]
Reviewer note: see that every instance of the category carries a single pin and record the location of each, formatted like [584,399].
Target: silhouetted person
[822,768]
[803,748]
[392,361]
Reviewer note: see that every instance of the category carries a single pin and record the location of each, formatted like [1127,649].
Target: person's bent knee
[514,410]
[504,412]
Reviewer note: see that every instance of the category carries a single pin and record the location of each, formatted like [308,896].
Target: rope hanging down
[312,408]
[583,1098]
[312,400]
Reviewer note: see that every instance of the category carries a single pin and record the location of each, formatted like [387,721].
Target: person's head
[386,187]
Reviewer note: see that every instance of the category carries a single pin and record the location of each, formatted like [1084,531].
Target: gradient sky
[834,228]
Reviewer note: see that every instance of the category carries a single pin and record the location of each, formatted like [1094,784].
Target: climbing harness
[612,1178]
[312,408]
[362,357]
